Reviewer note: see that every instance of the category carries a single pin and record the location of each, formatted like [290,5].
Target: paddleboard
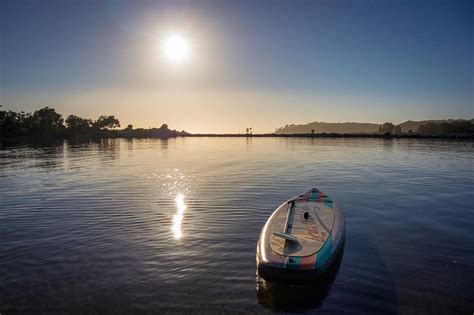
[301,239]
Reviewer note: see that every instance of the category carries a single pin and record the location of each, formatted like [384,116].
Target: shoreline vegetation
[339,135]
[47,124]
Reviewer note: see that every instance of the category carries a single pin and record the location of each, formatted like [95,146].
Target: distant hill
[353,127]
[414,125]
[323,127]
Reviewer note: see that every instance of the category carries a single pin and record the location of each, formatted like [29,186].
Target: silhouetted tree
[397,130]
[107,122]
[75,123]
[9,123]
[386,128]
[46,119]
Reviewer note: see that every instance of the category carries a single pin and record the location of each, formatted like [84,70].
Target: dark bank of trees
[445,128]
[46,123]
[460,127]
[43,122]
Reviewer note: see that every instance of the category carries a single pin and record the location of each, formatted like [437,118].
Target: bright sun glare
[178,217]
[176,48]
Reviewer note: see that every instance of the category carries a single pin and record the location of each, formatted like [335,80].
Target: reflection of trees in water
[249,143]
[53,154]
[109,149]
[129,147]
[41,154]
[109,145]
[387,144]
[105,150]
[285,297]
[164,146]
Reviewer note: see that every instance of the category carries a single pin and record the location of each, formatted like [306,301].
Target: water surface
[172,225]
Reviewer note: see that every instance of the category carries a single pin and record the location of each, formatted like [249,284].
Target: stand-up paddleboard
[301,239]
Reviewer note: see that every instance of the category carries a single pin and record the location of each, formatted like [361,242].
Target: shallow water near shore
[153,225]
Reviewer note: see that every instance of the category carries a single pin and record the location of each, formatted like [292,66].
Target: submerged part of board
[303,234]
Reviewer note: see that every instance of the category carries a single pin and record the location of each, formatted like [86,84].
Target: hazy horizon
[259,65]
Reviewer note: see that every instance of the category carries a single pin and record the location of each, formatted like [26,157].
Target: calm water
[171,226]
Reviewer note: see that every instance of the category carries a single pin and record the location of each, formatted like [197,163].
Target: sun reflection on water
[178,217]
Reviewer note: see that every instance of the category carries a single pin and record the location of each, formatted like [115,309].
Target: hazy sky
[259,64]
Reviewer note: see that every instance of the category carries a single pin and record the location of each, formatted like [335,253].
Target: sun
[176,48]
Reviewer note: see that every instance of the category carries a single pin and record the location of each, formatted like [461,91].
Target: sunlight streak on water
[178,217]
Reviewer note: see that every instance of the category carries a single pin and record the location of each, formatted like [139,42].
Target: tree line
[433,128]
[444,128]
[47,123]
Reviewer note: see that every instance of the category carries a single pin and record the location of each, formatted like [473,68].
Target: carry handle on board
[289,218]
[288,225]
[286,236]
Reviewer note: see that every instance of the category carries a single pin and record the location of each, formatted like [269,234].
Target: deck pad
[311,233]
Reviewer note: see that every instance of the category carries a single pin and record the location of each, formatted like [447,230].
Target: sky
[260,64]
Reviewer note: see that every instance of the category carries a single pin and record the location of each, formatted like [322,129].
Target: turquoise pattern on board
[328,202]
[324,253]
